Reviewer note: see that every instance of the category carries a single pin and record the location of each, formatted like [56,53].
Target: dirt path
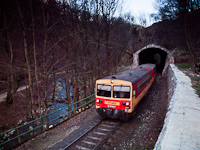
[3,95]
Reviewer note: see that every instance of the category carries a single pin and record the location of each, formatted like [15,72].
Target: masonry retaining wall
[181,124]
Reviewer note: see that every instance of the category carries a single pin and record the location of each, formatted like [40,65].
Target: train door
[133,97]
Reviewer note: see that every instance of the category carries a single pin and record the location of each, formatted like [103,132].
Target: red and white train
[117,96]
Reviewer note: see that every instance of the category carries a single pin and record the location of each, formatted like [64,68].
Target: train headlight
[123,103]
[97,100]
[100,101]
[112,81]
[127,103]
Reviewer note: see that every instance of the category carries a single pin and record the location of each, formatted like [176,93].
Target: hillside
[169,34]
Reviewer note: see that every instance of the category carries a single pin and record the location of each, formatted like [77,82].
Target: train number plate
[112,103]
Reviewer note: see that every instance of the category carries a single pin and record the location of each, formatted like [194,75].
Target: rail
[68,146]
[95,136]
[44,123]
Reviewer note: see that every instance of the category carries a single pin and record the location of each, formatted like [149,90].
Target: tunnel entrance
[154,56]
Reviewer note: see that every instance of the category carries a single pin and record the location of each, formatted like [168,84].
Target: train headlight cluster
[126,103]
[99,101]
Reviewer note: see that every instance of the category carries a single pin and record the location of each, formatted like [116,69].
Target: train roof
[152,66]
[133,75]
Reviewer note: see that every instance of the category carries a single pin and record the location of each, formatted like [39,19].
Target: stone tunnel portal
[155,56]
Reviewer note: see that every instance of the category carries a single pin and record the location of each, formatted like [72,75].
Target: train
[118,95]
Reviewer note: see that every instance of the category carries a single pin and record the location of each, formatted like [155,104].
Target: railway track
[94,137]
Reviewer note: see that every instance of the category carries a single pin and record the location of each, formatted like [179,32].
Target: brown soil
[14,113]
[139,132]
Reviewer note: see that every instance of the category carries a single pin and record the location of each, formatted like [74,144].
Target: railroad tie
[114,123]
[99,133]
[102,129]
[88,142]
[94,138]
[82,148]
[108,126]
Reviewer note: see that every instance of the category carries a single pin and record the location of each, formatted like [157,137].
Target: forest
[83,41]
[80,40]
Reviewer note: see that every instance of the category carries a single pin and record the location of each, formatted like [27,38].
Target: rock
[11,132]
[5,136]
[49,103]
[30,128]
[20,121]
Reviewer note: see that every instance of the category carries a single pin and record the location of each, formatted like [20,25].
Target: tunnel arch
[153,54]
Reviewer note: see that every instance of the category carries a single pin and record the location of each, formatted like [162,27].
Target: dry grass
[187,69]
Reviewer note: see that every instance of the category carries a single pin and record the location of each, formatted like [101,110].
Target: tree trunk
[85,45]
[98,56]
[9,98]
[67,84]
[54,78]
[27,59]
[45,75]
[108,52]
[97,41]
[74,73]
[36,66]
[12,83]
[74,85]
[192,52]
[12,87]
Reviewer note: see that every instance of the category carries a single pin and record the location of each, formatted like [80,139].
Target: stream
[59,103]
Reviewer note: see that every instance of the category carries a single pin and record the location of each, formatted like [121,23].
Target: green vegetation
[187,69]
[180,52]
[196,86]
[184,67]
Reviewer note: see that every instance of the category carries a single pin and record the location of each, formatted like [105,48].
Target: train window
[103,90]
[121,91]
[143,83]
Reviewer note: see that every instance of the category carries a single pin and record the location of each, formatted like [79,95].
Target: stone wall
[181,124]
[171,80]
[169,59]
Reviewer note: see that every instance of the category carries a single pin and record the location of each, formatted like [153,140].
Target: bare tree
[12,82]
[143,19]
[24,31]
[108,9]
[35,59]
[188,12]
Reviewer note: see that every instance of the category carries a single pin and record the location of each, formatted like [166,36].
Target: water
[60,97]
[59,102]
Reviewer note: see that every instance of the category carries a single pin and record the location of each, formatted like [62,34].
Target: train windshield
[121,91]
[104,90]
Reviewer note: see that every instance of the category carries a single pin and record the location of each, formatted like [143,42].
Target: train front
[113,98]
